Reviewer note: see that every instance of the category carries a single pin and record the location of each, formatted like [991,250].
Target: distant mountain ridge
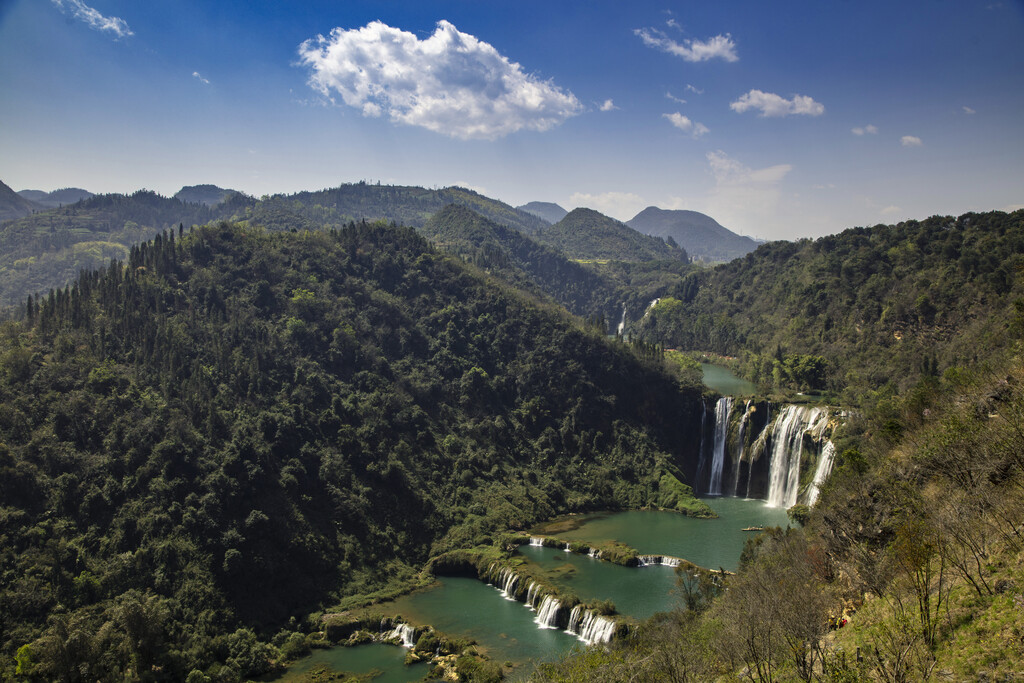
[587,235]
[57,198]
[210,195]
[700,235]
[549,211]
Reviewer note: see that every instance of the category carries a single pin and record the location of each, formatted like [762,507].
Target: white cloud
[619,205]
[743,197]
[718,47]
[683,123]
[771,104]
[694,89]
[891,210]
[450,83]
[866,130]
[608,105]
[911,141]
[672,97]
[79,10]
[968,110]
[674,24]
[196,74]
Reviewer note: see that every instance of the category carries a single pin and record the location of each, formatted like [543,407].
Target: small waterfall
[739,458]
[722,410]
[670,561]
[507,581]
[403,632]
[531,594]
[547,615]
[594,553]
[828,453]
[567,548]
[536,541]
[650,306]
[589,627]
[787,447]
[647,560]
[622,323]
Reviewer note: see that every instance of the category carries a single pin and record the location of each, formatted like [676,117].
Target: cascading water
[722,411]
[547,614]
[531,594]
[536,541]
[507,581]
[825,460]
[647,560]
[787,447]
[589,627]
[403,632]
[739,458]
[622,323]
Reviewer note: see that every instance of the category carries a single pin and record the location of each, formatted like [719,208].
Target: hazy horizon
[779,125]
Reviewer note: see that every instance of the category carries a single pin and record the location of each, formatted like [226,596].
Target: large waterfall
[723,409]
[771,457]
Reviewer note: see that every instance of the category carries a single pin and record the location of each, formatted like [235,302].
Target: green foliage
[236,427]
[585,234]
[853,311]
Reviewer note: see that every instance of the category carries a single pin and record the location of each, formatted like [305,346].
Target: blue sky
[780,118]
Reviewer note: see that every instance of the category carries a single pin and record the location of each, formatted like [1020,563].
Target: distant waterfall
[739,458]
[536,541]
[547,614]
[651,560]
[622,323]
[650,306]
[590,627]
[825,460]
[722,411]
[787,448]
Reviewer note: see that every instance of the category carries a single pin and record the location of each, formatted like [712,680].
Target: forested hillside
[523,262]
[48,249]
[237,427]
[878,305]
[586,235]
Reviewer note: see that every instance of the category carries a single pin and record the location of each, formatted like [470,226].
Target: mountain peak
[700,235]
[549,211]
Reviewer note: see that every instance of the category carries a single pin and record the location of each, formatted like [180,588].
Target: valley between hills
[294,437]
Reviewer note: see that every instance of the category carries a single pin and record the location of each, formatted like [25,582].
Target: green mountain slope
[700,235]
[523,262]
[879,305]
[237,427]
[586,235]
[13,205]
[410,206]
[49,248]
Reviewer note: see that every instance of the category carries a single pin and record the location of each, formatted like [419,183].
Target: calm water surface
[361,659]
[505,630]
[725,382]
[710,543]
[470,608]
[636,592]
